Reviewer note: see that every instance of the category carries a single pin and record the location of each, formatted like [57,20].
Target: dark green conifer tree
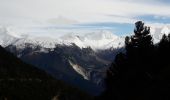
[131,73]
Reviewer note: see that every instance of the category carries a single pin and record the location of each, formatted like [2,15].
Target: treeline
[143,72]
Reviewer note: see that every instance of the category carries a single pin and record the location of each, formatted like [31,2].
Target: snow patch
[79,70]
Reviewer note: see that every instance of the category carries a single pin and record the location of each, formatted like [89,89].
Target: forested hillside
[21,81]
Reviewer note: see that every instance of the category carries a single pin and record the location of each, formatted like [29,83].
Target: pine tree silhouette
[134,75]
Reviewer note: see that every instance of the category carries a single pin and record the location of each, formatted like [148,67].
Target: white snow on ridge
[5,37]
[96,40]
[157,32]
[165,30]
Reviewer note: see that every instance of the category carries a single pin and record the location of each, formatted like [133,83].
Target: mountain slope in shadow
[21,81]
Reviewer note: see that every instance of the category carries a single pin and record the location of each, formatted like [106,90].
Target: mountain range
[79,59]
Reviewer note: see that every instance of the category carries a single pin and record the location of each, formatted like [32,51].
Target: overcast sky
[84,14]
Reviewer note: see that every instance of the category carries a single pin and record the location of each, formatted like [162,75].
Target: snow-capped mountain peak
[165,30]
[5,37]
[96,40]
[157,32]
[99,35]
[7,31]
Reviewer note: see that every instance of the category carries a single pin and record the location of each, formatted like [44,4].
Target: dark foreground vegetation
[143,72]
[20,81]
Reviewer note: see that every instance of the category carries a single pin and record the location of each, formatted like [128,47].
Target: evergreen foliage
[143,72]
